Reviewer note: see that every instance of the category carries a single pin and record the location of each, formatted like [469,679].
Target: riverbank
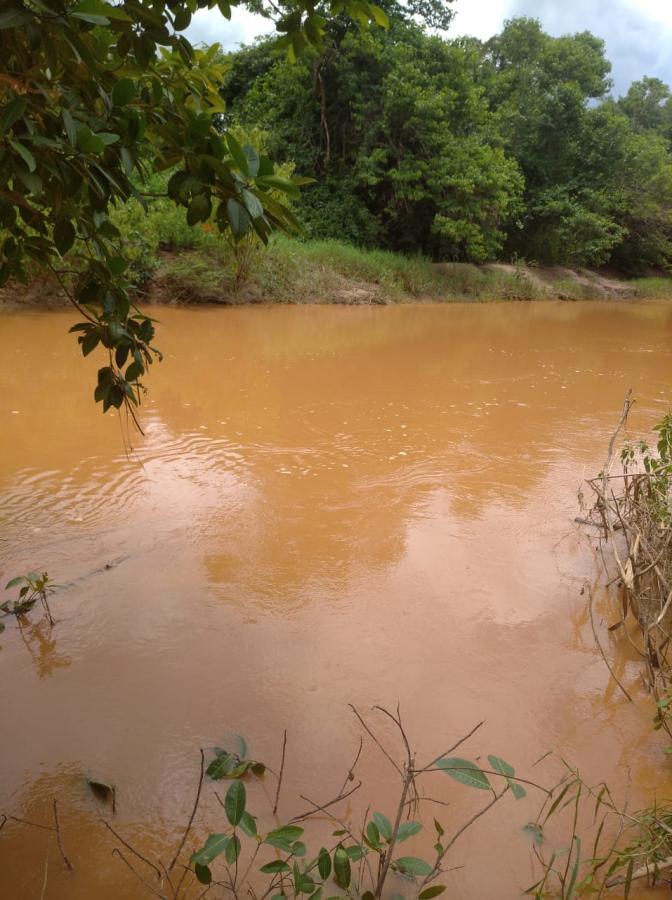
[289,271]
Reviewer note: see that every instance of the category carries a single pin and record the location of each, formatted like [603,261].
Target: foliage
[464,150]
[32,587]
[94,94]
[398,127]
[243,855]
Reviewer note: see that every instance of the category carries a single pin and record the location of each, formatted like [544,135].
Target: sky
[638,33]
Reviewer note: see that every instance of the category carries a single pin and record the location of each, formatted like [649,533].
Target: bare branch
[191,817]
[282,770]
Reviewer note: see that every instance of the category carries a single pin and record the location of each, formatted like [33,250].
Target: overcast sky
[638,33]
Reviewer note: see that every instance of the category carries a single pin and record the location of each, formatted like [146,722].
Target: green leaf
[70,127]
[215,844]
[123,92]
[252,160]
[203,873]
[237,153]
[25,154]
[407,830]
[342,871]
[499,765]
[248,824]
[383,824]
[14,582]
[277,865]
[280,184]
[411,865]
[464,771]
[93,11]
[252,204]
[284,837]
[232,849]
[88,142]
[12,113]
[64,236]
[324,863]
[234,802]
[432,891]
[373,834]
[238,217]
[199,209]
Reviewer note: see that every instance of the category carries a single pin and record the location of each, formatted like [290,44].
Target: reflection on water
[329,505]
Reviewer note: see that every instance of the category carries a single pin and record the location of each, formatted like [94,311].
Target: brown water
[330,505]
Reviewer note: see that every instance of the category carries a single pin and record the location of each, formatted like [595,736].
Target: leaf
[277,865]
[25,154]
[407,830]
[253,160]
[89,142]
[203,873]
[64,236]
[280,184]
[411,865]
[70,127]
[14,582]
[199,209]
[12,113]
[222,764]
[504,768]
[233,849]
[2,627]
[383,824]
[464,771]
[284,837]
[238,217]
[499,765]
[123,92]
[214,845]
[237,153]
[248,824]
[342,871]
[373,834]
[356,852]
[432,891]
[252,204]
[324,863]
[234,802]
[93,11]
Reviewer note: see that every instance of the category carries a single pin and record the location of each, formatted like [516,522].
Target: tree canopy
[467,150]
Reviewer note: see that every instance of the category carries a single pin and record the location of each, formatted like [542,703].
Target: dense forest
[463,150]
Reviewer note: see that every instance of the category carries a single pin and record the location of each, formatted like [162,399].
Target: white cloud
[209,26]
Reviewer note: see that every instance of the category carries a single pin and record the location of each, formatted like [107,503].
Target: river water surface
[329,506]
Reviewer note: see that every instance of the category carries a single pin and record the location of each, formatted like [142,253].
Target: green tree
[399,132]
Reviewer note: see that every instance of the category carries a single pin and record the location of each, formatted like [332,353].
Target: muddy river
[330,506]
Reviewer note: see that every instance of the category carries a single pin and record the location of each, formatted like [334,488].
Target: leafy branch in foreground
[277,862]
[95,96]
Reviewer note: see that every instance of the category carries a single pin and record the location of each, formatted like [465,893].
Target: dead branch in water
[633,509]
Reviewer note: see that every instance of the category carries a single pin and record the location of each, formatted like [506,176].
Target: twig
[34,824]
[191,817]
[46,873]
[375,739]
[325,806]
[436,871]
[58,838]
[351,771]
[117,852]
[599,646]
[132,849]
[458,743]
[282,769]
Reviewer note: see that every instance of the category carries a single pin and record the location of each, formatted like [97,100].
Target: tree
[398,131]
[95,96]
